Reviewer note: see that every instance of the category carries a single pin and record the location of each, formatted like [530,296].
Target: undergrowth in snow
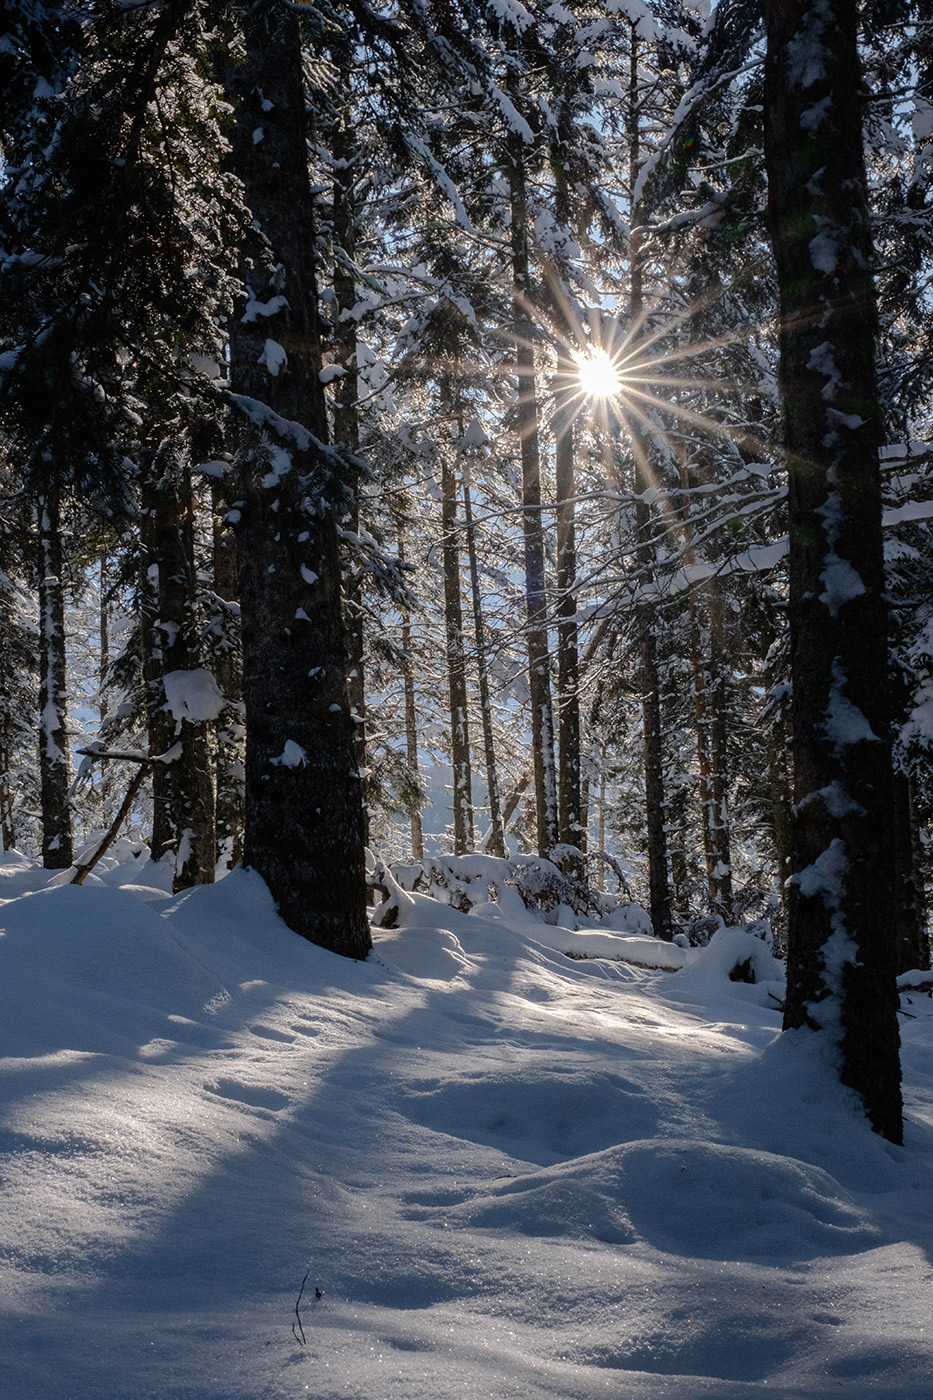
[509,1159]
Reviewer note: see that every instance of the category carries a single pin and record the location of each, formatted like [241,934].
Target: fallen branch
[113,830]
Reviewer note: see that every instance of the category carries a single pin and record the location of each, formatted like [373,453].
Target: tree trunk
[913,944]
[345,151]
[495,843]
[456,663]
[539,678]
[841,936]
[7,826]
[304,812]
[710,739]
[183,791]
[228,673]
[54,764]
[571,826]
[659,894]
[411,724]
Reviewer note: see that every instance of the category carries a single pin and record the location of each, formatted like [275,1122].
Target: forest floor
[499,1171]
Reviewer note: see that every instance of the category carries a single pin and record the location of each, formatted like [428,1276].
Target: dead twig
[298,1332]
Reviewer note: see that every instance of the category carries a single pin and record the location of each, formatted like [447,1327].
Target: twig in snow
[298,1332]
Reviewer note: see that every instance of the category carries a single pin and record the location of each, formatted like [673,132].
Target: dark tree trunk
[345,151]
[571,826]
[411,726]
[841,936]
[456,664]
[711,744]
[496,842]
[228,672]
[659,892]
[304,812]
[411,743]
[539,677]
[913,944]
[54,764]
[7,826]
[183,789]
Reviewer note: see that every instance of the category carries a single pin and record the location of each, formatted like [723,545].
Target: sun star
[599,378]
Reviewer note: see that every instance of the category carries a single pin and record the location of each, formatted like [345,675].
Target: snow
[842,582]
[255,308]
[292,756]
[505,1172]
[845,723]
[273,357]
[192,695]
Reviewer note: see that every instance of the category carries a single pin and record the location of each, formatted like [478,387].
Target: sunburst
[598,375]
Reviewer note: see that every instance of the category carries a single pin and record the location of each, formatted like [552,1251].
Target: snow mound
[109,969]
[702,1200]
[709,1200]
[731,951]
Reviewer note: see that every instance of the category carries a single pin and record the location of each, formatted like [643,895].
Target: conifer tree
[841,948]
[299,728]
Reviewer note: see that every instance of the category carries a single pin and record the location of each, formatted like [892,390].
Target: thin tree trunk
[184,793]
[539,678]
[710,738]
[228,673]
[300,764]
[456,664]
[7,826]
[841,937]
[913,944]
[659,895]
[571,826]
[345,151]
[411,743]
[54,764]
[495,843]
[411,728]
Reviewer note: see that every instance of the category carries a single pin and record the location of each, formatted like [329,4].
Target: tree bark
[571,826]
[54,763]
[183,789]
[345,152]
[228,672]
[456,663]
[496,840]
[659,893]
[913,944]
[841,936]
[301,773]
[539,678]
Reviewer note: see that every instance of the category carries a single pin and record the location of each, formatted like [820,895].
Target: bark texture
[539,677]
[495,842]
[304,813]
[54,765]
[456,664]
[659,891]
[571,824]
[346,417]
[841,936]
[183,787]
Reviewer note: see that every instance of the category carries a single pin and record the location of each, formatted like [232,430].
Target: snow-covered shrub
[543,886]
[465,882]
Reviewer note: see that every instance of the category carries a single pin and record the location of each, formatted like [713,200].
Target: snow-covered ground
[505,1172]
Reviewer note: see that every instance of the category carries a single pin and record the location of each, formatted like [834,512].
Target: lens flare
[599,378]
